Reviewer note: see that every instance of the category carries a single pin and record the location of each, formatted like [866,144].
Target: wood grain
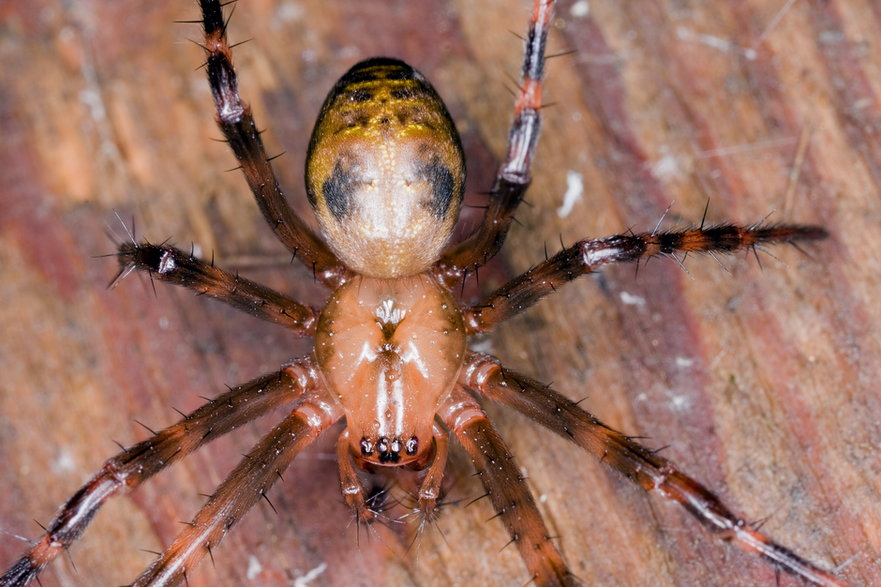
[761,380]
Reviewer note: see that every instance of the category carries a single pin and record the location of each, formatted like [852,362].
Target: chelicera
[385,177]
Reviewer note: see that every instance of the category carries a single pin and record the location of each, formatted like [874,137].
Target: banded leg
[588,256]
[506,488]
[138,463]
[514,174]
[653,473]
[244,487]
[172,265]
[235,120]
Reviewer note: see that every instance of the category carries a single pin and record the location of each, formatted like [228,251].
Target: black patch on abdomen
[337,190]
[443,186]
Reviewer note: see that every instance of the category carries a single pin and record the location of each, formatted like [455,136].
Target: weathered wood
[763,381]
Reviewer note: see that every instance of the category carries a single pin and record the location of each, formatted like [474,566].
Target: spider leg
[235,120]
[588,256]
[172,265]
[138,463]
[514,174]
[506,488]
[486,376]
[244,487]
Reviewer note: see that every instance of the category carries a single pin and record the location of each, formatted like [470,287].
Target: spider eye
[389,450]
[366,447]
[412,446]
[385,170]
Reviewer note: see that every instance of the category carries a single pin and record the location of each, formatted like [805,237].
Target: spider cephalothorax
[385,176]
[400,343]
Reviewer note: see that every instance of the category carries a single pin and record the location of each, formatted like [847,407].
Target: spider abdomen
[390,351]
[385,170]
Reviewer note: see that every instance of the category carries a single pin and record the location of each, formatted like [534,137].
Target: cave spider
[418,440]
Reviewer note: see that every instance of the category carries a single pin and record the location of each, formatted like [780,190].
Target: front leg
[643,466]
[242,489]
[138,463]
[506,487]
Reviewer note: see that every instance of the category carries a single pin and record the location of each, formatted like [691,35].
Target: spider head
[390,351]
[389,451]
[385,171]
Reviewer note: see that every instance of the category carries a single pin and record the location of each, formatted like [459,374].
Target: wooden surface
[761,381]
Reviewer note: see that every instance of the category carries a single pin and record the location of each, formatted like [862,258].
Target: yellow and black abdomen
[385,170]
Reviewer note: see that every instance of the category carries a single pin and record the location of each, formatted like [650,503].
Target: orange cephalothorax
[385,170]
[390,350]
[384,175]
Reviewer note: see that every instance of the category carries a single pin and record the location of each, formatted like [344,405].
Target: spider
[393,279]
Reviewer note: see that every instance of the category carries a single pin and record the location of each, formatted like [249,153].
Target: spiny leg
[506,488]
[514,174]
[235,120]
[486,376]
[138,463]
[172,265]
[244,487]
[588,256]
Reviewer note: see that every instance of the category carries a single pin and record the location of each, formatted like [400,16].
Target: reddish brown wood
[762,381]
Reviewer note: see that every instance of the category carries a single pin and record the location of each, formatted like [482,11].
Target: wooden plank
[762,381]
